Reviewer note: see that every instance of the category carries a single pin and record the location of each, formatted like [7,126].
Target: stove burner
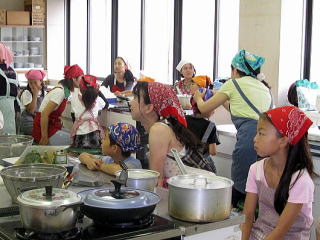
[137,224]
[25,234]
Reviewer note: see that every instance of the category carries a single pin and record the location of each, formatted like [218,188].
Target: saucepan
[118,205]
[198,197]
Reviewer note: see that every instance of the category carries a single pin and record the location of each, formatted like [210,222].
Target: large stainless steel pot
[49,210]
[141,178]
[198,198]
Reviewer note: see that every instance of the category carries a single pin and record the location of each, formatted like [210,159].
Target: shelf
[26,69]
[21,41]
[24,26]
[28,56]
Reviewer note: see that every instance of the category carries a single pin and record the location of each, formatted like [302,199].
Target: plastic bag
[307,94]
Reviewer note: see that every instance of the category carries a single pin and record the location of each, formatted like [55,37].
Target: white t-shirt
[56,95]
[26,98]
[78,108]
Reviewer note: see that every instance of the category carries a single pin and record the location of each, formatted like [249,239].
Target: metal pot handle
[60,209]
[202,178]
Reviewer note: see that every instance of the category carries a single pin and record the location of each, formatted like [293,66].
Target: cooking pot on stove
[197,197]
[113,205]
[49,210]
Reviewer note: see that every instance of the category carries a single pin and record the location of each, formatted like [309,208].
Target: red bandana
[72,71]
[290,121]
[165,102]
[87,80]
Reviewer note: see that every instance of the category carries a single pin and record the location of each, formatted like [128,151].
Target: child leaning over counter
[121,139]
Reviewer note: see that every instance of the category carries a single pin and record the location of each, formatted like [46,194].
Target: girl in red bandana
[158,109]
[281,183]
[86,131]
[47,123]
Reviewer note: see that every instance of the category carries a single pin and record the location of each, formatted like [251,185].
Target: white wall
[259,33]
[55,39]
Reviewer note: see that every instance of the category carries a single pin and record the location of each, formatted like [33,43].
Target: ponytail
[89,97]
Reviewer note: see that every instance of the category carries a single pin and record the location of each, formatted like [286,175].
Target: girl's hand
[198,95]
[117,93]
[44,141]
[35,89]
[93,164]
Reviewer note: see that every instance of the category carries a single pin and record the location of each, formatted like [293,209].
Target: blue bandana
[126,136]
[243,58]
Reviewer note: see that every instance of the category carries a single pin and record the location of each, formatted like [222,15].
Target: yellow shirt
[254,90]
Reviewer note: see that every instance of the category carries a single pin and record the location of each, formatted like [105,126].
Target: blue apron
[7,106]
[244,154]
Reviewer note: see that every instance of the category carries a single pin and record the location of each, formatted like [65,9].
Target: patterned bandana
[244,60]
[6,55]
[87,80]
[126,136]
[72,71]
[208,94]
[290,122]
[202,80]
[165,102]
[35,74]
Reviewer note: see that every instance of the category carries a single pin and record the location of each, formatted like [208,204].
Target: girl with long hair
[86,131]
[282,182]
[158,109]
[31,98]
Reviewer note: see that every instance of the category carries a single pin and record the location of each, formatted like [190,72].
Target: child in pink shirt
[281,183]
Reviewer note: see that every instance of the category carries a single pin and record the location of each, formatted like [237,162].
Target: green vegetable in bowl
[32,157]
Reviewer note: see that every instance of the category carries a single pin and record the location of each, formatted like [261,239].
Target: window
[100,38]
[198,35]
[78,33]
[159,40]
[291,43]
[228,42]
[129,33]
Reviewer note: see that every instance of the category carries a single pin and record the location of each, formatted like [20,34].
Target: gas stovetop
[86,229]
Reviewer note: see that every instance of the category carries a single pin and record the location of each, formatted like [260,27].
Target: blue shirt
[131,162]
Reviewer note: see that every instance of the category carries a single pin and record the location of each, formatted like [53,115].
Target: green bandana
[244,60]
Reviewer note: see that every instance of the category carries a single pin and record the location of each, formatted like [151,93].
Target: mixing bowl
[14,145]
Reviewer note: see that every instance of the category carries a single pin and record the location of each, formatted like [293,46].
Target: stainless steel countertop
[184,228]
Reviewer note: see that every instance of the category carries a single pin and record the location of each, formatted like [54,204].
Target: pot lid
[197,181]
[139,173]
[131,198]
[48,197]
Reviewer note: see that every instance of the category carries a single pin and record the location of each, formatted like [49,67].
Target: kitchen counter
[186,229]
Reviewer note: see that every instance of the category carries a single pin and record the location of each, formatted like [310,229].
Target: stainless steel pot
[49,210]
[141,178]
[198,198]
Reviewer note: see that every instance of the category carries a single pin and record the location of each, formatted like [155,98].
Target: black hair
[113,142]
[128,75]
[254,72]
[68,83]
[89,97]
[292,95]
[183,134]
[299,158]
